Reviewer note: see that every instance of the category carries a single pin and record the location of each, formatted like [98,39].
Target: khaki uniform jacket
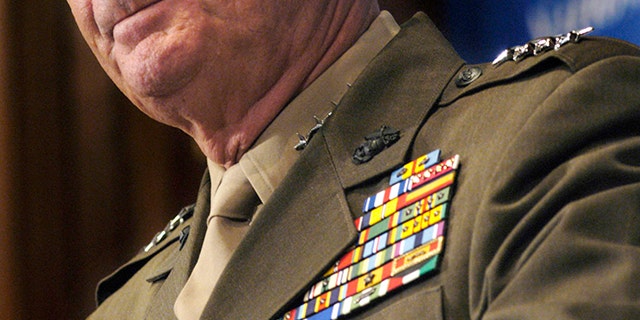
[544,224]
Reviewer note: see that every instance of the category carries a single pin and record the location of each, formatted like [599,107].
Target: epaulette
[574,49]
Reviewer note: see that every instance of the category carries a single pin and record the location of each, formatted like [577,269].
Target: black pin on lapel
[375,143]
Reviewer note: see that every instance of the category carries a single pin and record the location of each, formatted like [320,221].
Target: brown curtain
[7,287]
[85,179]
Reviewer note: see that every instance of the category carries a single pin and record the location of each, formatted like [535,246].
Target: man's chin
[159,68]
[158,99]
[157,84]
[166,110]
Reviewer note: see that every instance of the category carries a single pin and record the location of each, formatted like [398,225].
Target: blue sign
[480,30]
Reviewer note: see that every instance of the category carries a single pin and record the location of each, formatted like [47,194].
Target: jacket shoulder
[514,64]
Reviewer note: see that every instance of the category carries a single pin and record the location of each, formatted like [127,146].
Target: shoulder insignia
[540,45]
[517,61]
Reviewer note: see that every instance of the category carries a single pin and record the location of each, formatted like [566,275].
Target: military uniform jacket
[544,224]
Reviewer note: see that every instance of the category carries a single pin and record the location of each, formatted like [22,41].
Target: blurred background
[86,180]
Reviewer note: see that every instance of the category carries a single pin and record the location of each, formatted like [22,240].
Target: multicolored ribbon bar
[414,167]
[354,270]
[428,203]
[357,287]
[412,181]
[374,293]
[401,238]
[399,218]
[380,213]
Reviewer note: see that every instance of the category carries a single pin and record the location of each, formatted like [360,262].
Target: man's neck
[344,26]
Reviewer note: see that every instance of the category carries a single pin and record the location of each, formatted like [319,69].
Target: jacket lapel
[402,85]
[162,307]
[306,225]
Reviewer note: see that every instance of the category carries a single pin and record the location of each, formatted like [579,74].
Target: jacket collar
[307,224]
